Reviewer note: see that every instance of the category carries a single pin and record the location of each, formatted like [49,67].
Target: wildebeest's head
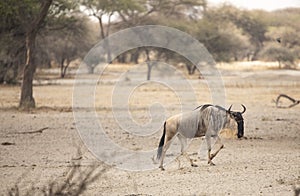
[237,116]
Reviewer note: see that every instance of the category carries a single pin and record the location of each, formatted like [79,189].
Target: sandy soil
[40,145]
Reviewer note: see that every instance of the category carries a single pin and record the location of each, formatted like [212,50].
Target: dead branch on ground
[33,132]
[293,101]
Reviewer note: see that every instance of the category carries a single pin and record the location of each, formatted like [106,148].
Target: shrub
[280,54]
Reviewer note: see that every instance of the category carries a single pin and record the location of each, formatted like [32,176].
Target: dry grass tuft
[78,178]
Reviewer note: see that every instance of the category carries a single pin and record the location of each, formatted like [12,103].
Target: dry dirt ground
[39,146]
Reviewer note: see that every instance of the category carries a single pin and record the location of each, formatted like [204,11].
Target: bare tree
[69,43]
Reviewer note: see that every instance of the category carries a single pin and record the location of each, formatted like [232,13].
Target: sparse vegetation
[76,182]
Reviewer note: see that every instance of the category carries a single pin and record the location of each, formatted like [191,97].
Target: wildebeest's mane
[203,107]
[220,108]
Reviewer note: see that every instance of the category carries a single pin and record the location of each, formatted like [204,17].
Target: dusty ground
[39,146]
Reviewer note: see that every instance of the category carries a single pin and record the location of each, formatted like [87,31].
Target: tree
[66,44]
[174,13]
[275,52]
[283,26]
[22,24]
[101,9]
[12,50]
[244,30]
[253,24]
[223,39]
[257,35]
[33,24]
[147,12]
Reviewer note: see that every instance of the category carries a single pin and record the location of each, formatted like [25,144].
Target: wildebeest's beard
[237,116]
[240,129]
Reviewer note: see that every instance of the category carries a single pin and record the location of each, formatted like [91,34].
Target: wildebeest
[205,120]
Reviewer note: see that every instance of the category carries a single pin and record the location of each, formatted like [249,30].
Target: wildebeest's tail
[161,143]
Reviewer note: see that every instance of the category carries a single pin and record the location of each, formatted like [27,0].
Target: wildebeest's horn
[229,109]
[244,109]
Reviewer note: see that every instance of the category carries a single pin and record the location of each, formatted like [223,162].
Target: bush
[76,183]
[8,73]
[278,53]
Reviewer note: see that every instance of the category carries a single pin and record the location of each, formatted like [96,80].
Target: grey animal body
[205,120]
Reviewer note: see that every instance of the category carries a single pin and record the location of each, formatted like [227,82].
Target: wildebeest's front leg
[221,146]
[211,156]
[208,143]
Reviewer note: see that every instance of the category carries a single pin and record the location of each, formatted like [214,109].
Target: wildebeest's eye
[236,116]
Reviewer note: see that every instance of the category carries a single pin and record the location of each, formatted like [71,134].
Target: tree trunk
[101,27]
[62,68]
[107,34]
[135,56]
[27,100]
[64,64]
[149,64]
[91,69]
[121,58]
[102,34]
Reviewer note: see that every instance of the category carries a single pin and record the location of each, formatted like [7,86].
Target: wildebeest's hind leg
[168,141]
[183,143]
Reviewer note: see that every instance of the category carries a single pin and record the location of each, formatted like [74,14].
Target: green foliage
[283,25]
[7,13]
[17,16]
[12,37]
[228,33]
[248,23]
[221,36]
[285,17]
[253,26]
[61,14]
[98,8]
[275,52]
